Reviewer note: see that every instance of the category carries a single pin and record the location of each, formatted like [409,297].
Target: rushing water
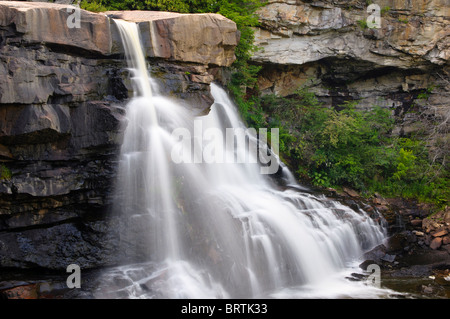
[222,230]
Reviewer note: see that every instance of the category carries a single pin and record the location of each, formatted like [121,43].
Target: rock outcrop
[63,90]
[176,36]
[327,47]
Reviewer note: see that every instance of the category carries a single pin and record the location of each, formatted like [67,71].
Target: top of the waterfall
[143,16]
[208,38]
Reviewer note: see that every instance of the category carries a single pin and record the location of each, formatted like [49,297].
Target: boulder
[416,223]
[440,233]
[350,192]
[436,243]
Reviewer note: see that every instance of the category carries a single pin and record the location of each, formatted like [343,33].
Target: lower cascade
[211,229]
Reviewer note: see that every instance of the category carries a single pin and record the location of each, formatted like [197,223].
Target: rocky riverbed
[415,257]
[414,260]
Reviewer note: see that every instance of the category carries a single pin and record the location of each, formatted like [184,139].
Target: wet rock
[22,292]
[40,289]
[396,243]
[376,253]
[366,263]
[357,277]
[427,289]
[388,258]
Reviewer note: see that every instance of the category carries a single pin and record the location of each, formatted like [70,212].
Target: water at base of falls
[222,230]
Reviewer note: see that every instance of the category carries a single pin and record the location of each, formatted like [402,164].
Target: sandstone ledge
[207,39]
[200,38]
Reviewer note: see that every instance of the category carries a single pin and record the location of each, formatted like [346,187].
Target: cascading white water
[212,230]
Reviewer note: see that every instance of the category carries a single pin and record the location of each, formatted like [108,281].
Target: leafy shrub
[5,173]
[349,147]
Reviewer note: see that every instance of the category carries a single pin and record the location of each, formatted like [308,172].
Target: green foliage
[385,10]
[425,94]
[362,24]
[157,5]
[405,163]
[320,179]
[92,6]
[5,173]
[348,147]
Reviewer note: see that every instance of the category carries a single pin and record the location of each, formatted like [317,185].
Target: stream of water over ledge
[212,229]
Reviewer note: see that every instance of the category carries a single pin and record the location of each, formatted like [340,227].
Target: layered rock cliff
[327,47]
[63,90]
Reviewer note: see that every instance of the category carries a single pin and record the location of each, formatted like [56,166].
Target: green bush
[362,24]
[5,173]
[349,147]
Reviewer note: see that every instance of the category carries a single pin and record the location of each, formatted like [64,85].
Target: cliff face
[326,46]
[62,97]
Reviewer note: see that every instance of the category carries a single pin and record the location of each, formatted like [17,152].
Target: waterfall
[220,229]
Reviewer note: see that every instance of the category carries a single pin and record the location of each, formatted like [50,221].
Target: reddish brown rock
[416,222]
[446,240]
[350,192]
[440,233]
[22,292]
[436,243]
